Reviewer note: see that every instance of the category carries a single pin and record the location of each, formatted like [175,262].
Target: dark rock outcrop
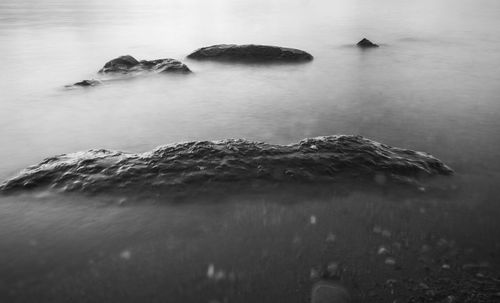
[194,163]
[128,64]
[86,83]
[250,52]
[365,43]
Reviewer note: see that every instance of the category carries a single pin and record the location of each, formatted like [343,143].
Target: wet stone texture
[127,64]
[250,52]
[317,159]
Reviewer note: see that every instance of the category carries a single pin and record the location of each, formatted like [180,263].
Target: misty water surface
[431,86]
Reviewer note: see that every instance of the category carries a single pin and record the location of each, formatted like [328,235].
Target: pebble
[382,251]
[126,255]
[331,237]
[386,233]
[333,270]
[313,220]
[211,271]
[390,261]
[446,266]
[314,274]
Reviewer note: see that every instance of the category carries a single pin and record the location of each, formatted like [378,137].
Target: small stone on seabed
[331,237]
[377,229]
[390,261]
[333,270]
[446,266]
[313,220]
[382,250]
[314,274]
[126,255]
[211,271]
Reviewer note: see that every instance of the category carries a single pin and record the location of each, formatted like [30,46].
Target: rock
[331,238]
[313,220]
[333,270]
[365,43]
[86,83]
[314,274]
[382,250]
[227,161]
[390,261]
[128,64]
[250,52]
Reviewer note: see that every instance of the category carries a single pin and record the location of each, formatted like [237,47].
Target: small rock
[127,64]
[219,275]
[313,220]
[122,201]
[446,266]
[211,271]
[331,237]
[314,274]
[85,83]
[390,261]
[365,43]
[333,270]
[126,255]
[382,250]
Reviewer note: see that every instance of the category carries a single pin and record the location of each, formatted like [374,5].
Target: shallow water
[431,86]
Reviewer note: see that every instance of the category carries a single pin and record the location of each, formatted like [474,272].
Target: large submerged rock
[128,64]
[195,163]
[250,52]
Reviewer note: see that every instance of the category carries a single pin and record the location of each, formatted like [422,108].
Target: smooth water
[431,86]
